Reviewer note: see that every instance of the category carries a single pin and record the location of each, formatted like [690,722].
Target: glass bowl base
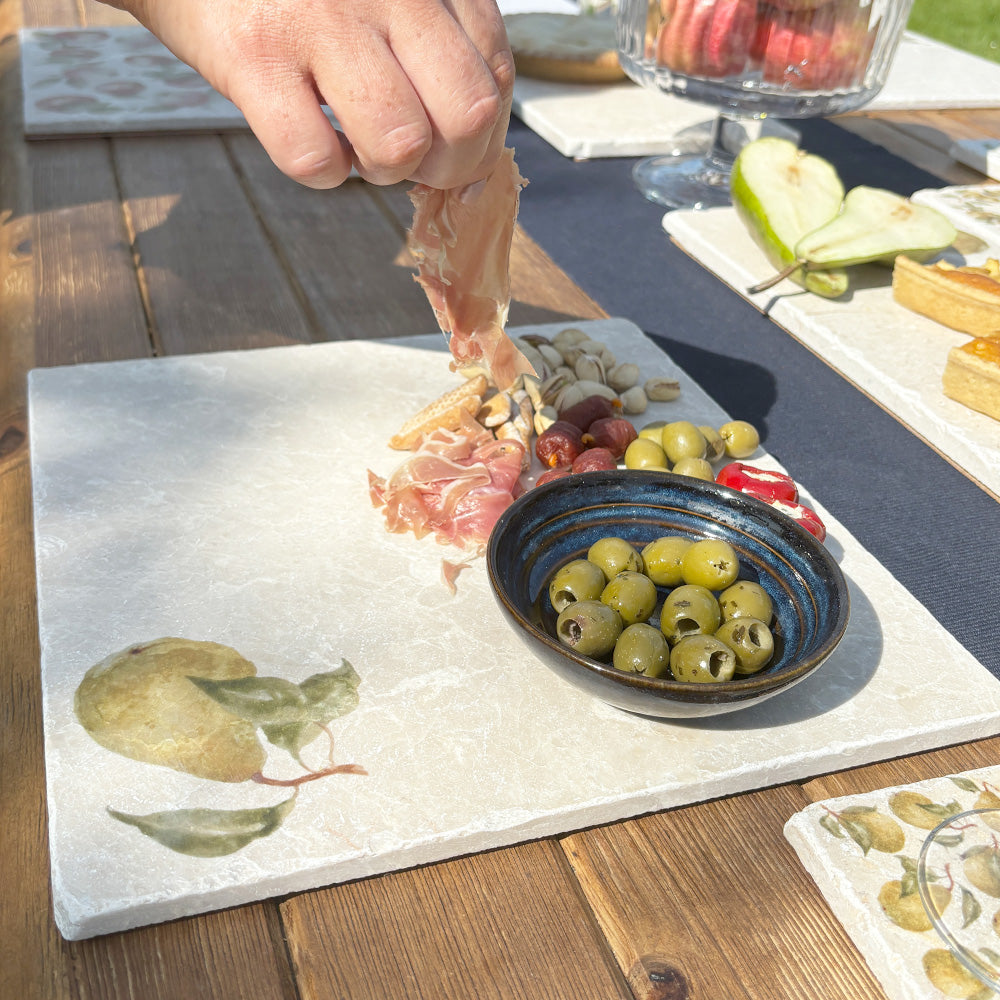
[683,180]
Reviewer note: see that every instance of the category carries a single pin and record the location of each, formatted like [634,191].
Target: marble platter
[896,356]
[225,497]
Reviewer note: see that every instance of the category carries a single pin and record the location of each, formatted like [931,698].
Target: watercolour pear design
[197,707]
[140,703]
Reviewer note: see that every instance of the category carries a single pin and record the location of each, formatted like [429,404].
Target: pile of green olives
[677,607]
[681,447]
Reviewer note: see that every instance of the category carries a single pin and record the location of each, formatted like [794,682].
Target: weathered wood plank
[211,278]
[505,924]
[710,900]
[348,259]
[83,265]
[903,770]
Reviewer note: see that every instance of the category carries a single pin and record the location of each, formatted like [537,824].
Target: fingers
[466,96]
[285,115]
[421,88]
[427,97]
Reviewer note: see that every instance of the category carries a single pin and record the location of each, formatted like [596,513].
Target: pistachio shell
[661,390]
[589,368]
[623,376]
[634,400]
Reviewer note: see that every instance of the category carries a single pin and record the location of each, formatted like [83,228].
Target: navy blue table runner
[936,531]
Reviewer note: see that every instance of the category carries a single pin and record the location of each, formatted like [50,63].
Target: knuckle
[502,68]
[397,153]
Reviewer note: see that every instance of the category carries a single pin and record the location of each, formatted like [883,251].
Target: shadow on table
[848,670]
[743,387]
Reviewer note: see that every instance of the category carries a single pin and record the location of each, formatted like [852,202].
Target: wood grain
[348,260]
[904,770]
[505,924]
[710,901]
[210,276]
[82,260]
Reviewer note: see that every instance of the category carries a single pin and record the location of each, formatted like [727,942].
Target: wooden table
[101,259]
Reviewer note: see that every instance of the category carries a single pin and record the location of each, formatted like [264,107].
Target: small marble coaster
[589,121]
[862,852]
[980,154]
[895,355]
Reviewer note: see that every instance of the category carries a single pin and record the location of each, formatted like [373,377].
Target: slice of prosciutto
[460,240]
[454,486]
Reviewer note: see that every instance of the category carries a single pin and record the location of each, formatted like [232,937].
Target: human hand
[421,88]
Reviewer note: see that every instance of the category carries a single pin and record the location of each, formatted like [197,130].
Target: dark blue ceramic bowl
[554,523]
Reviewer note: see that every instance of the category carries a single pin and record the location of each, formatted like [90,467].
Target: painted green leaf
[940,812]
[859,833]
[908,884]
[330,696]
[290,715]
[949,839]
[831,825]
[260,700]
[208,833]
[966,784]
[971,909]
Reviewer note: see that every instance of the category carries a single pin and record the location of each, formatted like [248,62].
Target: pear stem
[785,272]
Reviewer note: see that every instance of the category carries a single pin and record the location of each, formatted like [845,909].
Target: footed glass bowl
[750,59]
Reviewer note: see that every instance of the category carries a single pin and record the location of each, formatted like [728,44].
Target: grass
[971,25]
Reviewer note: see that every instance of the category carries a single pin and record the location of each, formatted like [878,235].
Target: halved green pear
[782,193]
[876,226]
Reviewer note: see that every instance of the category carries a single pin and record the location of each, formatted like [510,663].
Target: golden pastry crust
[569,48]
[963,298]
[972,375]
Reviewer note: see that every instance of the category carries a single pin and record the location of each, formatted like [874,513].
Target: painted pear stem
[785,272]
[311,776]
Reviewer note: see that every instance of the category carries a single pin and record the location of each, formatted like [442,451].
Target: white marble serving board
[895,355]
[850,878]
[225,497]
[591,121]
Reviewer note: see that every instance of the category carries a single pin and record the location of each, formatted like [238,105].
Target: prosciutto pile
[460,240]
[454,486]
[457,483]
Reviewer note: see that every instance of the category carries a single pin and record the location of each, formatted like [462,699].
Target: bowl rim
[761,682]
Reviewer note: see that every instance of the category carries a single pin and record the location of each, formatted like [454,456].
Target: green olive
[632,595]
[696,468]
[662,559]
[746,599]
[589,627]
[750,640]
[702,659]
[715,446]
[643,453]
[711,563]
[614,555]
[689,610]
[579,580]
[642,649]
[741,438]
[653,431]
[681,439]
